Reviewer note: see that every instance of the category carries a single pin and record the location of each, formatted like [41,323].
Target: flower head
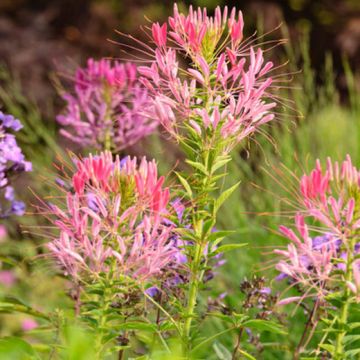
[107,106]
[115,220]
[329,195]
[328,200]
[12,162]
[307,261]
[223,94]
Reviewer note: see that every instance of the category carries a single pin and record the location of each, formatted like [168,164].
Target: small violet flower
[12,162]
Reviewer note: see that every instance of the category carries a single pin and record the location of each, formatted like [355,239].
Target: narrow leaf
[228,247]
[224,196]
[198,166]
[185,184]
[264,325]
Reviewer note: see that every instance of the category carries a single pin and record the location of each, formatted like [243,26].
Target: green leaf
[208,226]
[264,325]
[14,300]
[222,352]
[185,184]
[351,338]
[228,247]
[13,304]
[16,348]
[220,163]
[352,352]
[219,235]
[247,355]
[354,325]
[198,166]
[137,325]
[224,196]
[223,317]
[7,260]
[328,347]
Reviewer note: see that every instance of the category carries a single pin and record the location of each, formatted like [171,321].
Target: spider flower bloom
[307,261]
[329,196]
[106,108]
[224,93]
[114,220]
[12,163]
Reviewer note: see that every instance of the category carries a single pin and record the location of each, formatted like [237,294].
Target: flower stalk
[344,309]
[203,186]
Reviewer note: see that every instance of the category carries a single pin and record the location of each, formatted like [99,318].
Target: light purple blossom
[106,107]
[12,162]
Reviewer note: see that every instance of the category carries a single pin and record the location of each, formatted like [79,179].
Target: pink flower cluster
[327,198]
[223,92]
[328,195]
[107,106]
[306,261]
[115,219]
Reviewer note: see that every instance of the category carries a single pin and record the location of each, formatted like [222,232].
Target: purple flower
[265,291]
[152,291]
[18,208]
[12,162]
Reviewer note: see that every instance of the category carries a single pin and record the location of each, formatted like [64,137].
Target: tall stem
[309,324]
[102,320]
[193,290]
[237,345]
[202,190]
[344,309]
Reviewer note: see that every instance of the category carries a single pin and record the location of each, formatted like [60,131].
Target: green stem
[104,306]
[108,118]
[344,310]
[202,190]
[193,290]
[238,342]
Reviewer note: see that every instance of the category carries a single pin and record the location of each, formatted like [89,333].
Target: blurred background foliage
[43,39]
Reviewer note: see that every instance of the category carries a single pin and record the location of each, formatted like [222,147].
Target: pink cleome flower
[224,91]
[327,199]
[116,220]
[106,108]
[306,261]
[329,195]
